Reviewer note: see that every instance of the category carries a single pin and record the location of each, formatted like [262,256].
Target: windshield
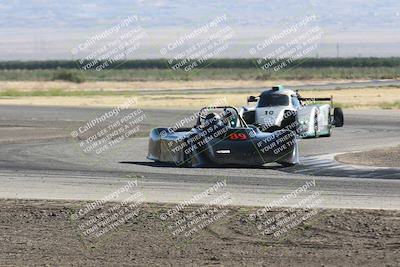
[272,100]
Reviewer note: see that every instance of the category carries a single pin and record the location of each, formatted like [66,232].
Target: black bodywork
[227,140]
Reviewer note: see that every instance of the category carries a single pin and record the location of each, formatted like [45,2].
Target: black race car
[222,137]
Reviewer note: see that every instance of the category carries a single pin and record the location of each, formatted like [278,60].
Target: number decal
[238,136]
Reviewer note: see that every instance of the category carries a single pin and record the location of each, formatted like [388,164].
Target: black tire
[286,164]
[291,122]
[249,117]
[270,129]
[338,118]
[316,124]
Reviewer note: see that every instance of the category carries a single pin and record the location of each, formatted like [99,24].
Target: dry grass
[380,97]
[153,85]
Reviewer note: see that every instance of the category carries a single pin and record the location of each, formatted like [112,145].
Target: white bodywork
[314,120]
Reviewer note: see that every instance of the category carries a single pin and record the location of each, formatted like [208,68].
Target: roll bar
[221,107]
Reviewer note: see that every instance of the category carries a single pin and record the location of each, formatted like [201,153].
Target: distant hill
[44,29]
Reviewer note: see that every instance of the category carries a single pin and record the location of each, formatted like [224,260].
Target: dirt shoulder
[160,85]
[168,95]
[385,157]
[367,98]
[43,233]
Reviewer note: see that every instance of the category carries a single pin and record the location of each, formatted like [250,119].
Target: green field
[239,63]
[203,74]
[217,69]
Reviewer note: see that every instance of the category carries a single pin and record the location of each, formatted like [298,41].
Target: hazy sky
[40,29]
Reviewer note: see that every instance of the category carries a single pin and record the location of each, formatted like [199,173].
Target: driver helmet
[228,117]
[213,119]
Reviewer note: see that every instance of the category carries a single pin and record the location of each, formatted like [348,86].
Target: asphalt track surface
[40,160]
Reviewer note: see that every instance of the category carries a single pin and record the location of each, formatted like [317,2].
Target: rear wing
[316,99]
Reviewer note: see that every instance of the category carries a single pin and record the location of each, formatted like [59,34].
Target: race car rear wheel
[338,119]
[316,124]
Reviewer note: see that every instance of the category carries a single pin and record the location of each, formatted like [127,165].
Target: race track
[39,159]
[325,86]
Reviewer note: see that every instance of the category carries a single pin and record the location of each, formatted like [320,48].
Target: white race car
[281,108]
